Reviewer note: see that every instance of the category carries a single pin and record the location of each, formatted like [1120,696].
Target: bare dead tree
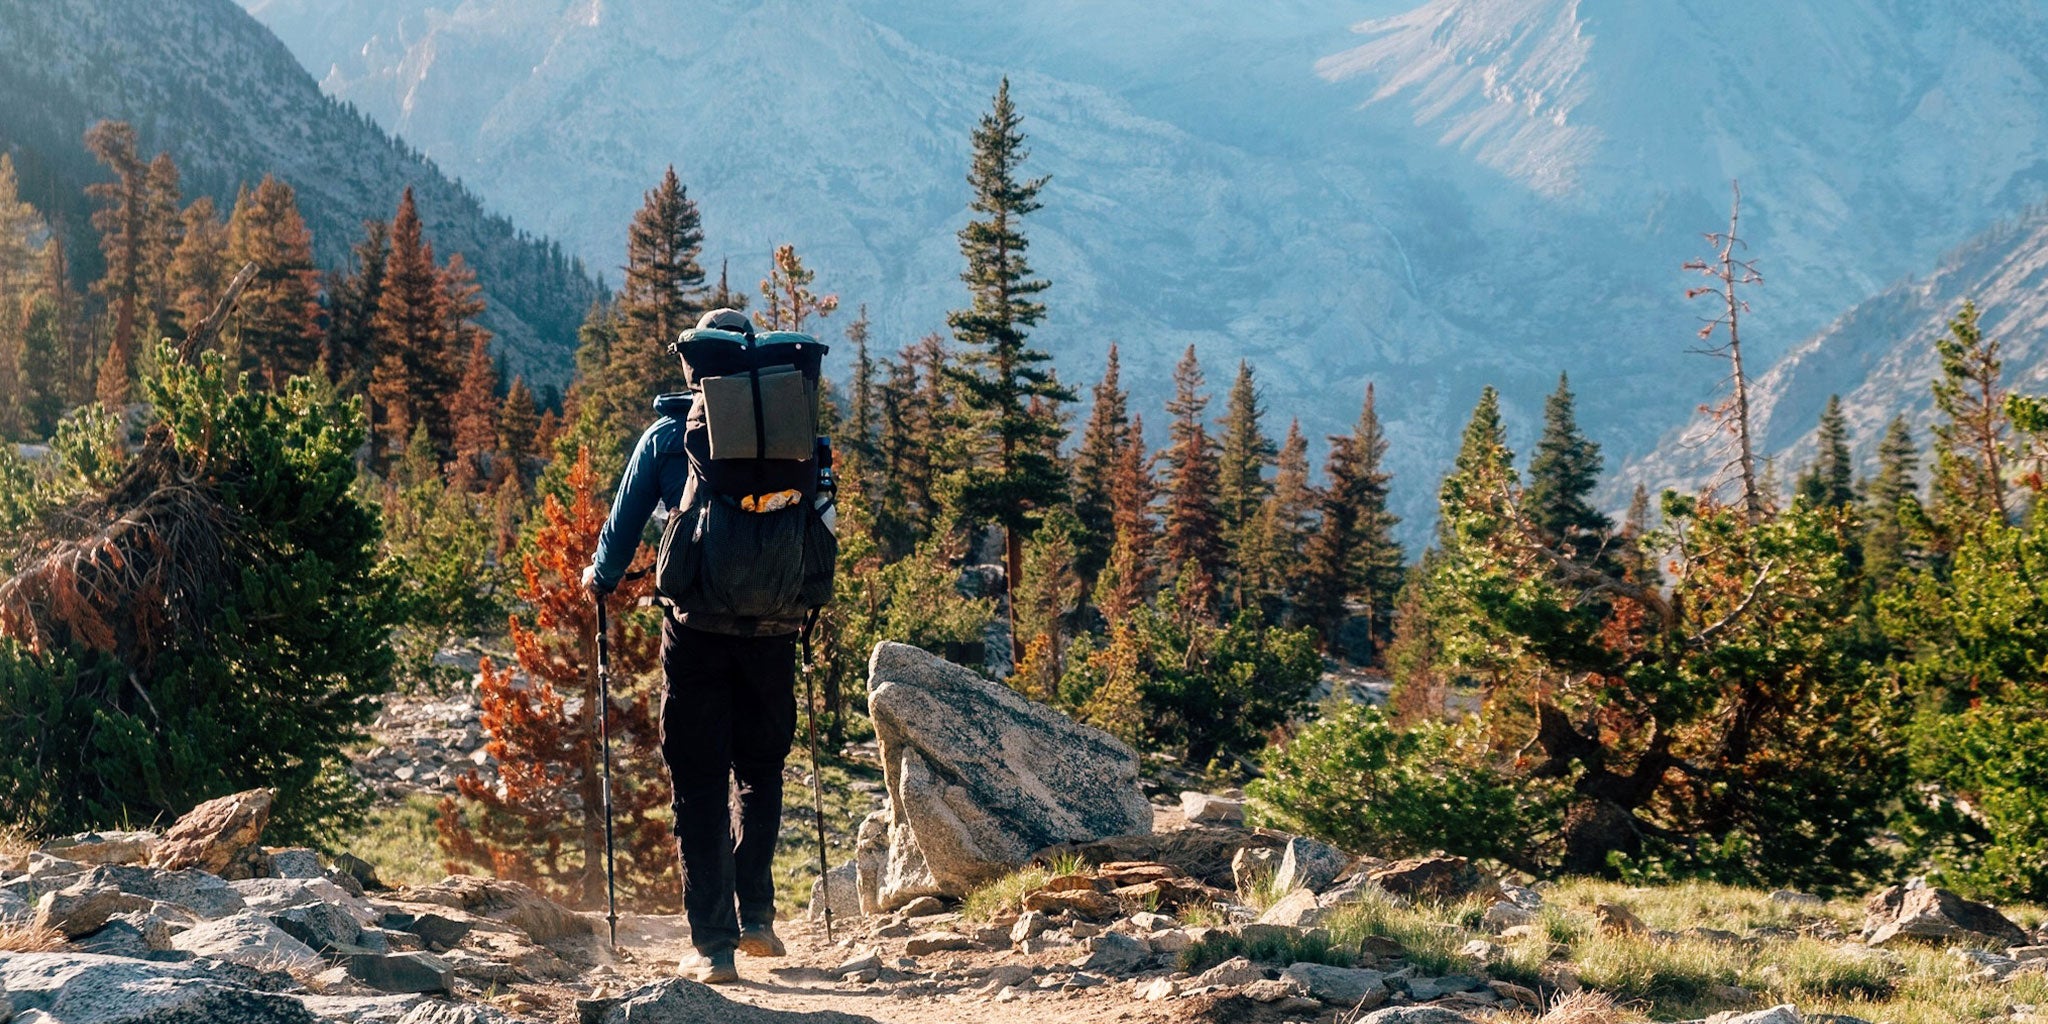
[1731,271]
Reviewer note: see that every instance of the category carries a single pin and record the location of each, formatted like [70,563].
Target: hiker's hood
[675,404]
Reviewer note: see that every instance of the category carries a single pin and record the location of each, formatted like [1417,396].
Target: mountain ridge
[207,83]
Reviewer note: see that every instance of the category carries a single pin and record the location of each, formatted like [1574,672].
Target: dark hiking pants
[729,712]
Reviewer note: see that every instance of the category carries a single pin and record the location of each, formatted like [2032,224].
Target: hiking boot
[760,940]
[716,969]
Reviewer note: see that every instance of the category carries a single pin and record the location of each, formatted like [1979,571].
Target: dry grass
[21,936]
[16,840]
[1004,896]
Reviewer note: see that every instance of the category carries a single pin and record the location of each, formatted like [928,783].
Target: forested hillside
[205,83]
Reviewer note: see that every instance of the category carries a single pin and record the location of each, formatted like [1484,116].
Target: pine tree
[1242,487]
[1892,506]
[1471,498]
[411,377]
[1128,578]
[1830,482]
[1352,557]
[518,425]
[277,322]
[1972,442]
[1563,471]
[1102,443]
[462,302]
[859,443]
[663,291]
[74,344]
[1194,525]
[1009,467]
[162,231]
[21,241]
[1046,599]
[199,266]
[543,824]
[1636,563]
[352,299]
[721,295]
[1280,531]
[786,296]
[123,205]
[476,409]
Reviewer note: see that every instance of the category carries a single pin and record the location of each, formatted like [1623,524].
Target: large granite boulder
[83,988]
[219,836]
[1932,915]
[980,778]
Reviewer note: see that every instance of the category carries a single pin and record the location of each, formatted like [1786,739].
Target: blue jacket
[656,476]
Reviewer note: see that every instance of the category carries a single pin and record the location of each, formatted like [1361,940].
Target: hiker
[745,560]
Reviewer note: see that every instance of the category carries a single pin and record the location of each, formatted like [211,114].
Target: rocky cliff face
[1433,196]
[212,86]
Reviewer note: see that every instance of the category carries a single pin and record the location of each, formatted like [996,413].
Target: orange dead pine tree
[543,822]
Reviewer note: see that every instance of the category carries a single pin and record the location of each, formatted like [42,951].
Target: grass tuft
[22,936]
[1004,896]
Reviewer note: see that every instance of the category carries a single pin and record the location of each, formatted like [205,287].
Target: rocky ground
[962,903]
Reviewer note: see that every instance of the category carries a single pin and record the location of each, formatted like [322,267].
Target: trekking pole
[604,732]
[817,781]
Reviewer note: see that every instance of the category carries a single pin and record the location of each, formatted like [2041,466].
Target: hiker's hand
[592,583]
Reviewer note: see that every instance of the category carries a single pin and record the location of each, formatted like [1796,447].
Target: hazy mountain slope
[210,84]
[1879,356]
[1432,196]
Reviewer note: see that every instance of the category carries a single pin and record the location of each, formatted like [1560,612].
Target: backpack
[752,540]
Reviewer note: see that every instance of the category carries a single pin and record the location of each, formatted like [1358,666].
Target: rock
[936,942]
[923,906]
[401,972]
[1254,866]
[2028,954]
[868,961]
[871,859]
[1204,854]
[1307,864]
[247,938]
[1156,990]
[1340,986]
[1790,898]
[362,872]
[273,895]
[296,862]
[1297,909]
[438,931]
[1481,950]
[1436,878]
[540,918]
[84,988]
[1170,940]
[1029,925]
[1149,922]
[676,1001]
[1210,809]
[215,834]
[1615,919]
[1083,903]
[1115,954]
[1784,1013]
[1506,914]
[439,1012]
[102,847]
[980,778]
[1423,990]
[1272,990]
[83,907]
[1516,993]
[844,886]
[1935,915]
[117,938]
[323,926]
[1522,896]
[362,1009]
[1414,1015]
[1230,973]
[1118,874]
